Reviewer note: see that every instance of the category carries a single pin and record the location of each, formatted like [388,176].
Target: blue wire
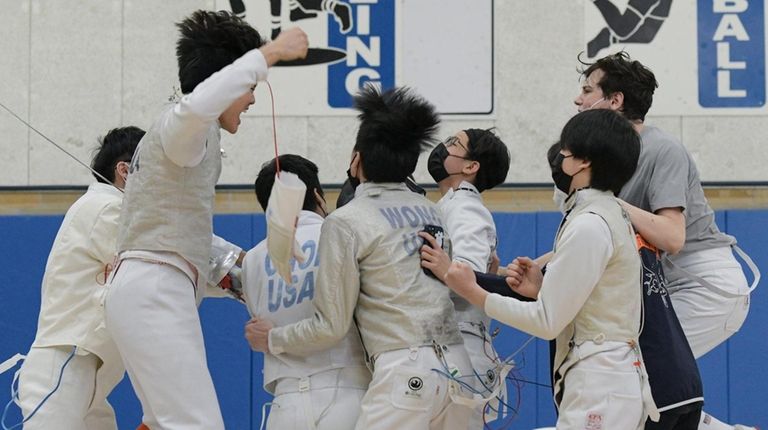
[508,360]
[462,383]
[15,396]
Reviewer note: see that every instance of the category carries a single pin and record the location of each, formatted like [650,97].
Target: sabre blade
[56,144]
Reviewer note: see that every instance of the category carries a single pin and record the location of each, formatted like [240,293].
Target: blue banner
[731,36]
[370,48]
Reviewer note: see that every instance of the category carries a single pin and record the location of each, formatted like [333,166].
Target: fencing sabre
[57,145]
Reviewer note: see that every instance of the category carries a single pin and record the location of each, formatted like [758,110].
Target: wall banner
[441,48]
[708,55]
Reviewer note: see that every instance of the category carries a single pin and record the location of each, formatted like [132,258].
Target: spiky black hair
[395,127]
[210,41]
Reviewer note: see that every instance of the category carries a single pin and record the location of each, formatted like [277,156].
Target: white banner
[441,48]
[708,55]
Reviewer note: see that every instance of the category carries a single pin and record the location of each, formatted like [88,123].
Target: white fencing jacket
[268,296]
[70,310]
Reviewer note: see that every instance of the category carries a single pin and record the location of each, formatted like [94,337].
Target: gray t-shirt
[667,177]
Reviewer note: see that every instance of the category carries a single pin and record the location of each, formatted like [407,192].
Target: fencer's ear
[471,168]
[356,167]
[583,164]
[121,168]
[616,101]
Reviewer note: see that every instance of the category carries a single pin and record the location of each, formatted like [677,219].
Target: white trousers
[75,405]
[152,316]
[331,408]
[480,353]
[708,318]
[602,392]
[328,400]
[405,393]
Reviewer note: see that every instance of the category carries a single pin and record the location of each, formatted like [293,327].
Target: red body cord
[274,129]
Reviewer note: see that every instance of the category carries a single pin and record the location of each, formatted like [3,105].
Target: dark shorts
[685,417]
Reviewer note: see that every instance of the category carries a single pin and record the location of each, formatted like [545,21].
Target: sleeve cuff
[259,64]
[273,349]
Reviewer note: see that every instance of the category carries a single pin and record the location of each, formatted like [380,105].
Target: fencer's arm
[224,257]
[103,234]
[582,255]
[664,229]
[663,225]
[291,44]
[497,284]
[468,226]
[183,130]
[337,287]
[543,260]
[540,261]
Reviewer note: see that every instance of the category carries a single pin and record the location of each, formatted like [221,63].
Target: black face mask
[562,180]
[413,186]
[436,163]
[347,192]
[352,180]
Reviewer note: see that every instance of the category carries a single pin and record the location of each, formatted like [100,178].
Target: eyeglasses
[454,141]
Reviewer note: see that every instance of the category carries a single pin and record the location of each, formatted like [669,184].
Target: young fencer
[321,390]
[165,233]
[370,275]
[589,300]
[463,166]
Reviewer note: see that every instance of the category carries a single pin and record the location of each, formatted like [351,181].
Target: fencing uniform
[316,391]
[666,177]
[70,316]
[164,245]
[473,235]
[589,302]
[370,271]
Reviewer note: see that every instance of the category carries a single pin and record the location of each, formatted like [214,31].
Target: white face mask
[595,104]
[559,198]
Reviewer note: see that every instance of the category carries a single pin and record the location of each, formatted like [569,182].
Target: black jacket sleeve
[498,285]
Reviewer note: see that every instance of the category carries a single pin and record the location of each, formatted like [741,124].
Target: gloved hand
[283,208]
[232,283]
[224,273]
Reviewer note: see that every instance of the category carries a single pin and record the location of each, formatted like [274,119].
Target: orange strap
[642,243]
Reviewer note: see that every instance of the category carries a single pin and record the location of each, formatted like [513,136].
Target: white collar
[101,187]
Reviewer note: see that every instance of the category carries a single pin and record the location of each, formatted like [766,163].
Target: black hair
[630,77]
[118,145]
[395,127]
[486,148]
[607,140]
[210,41]
[301,167]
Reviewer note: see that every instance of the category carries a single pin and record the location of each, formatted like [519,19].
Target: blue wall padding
[24,245]
[735,376]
